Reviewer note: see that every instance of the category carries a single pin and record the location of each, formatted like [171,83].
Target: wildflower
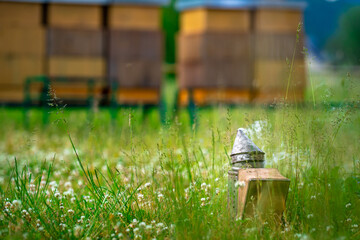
[348,205]
[160,196]
[147,184]
[57,195]
[348,220]
[328,228]
[127,230]
[160,225]
[142,224]
[136,230]
[140,196]
[67,185]
[120,235]
[310,216]
[354,226]
[239,184]
[203,185]
[16,204]
[313,197]
[120,214]
[217,191]
[216,179]
[70,211]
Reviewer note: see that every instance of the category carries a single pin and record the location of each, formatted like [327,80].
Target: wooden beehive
[75,48]
[214,55]
[279,68]
[22,47]
[135,51]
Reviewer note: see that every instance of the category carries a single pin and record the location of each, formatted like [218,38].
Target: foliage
[344,46]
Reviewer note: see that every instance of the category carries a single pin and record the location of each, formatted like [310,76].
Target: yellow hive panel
[85,16]
[202,20]
[76,67]
[20,14]
[29,41]
[134,17]
[14,70]
[274,74]
[277,20]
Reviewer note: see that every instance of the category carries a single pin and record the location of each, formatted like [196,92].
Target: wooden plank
[207,74]
[20,14]
[134,17]
[24,41]
[14,93]
[139,74]
[14,70]
[203,20]
[274,74]
[214,46]
[138,96]
[75,90]
[136,45]
[277,20]
[75,42]
[75,16]
[278,96]
[208,96]
[77,67]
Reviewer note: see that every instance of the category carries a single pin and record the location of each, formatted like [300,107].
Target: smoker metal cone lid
[244,145]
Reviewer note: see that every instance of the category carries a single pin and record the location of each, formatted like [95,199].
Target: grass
[91,179]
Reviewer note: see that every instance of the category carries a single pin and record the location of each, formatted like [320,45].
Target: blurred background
[176,52]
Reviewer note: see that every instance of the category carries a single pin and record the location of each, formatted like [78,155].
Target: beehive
[76,47]
[279,68]
[22,47]
[214,53]
[135,50]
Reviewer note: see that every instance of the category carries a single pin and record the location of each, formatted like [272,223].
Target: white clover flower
[147,184]
[203,185]
[354,226]
[70,211]
[57,195]
[313,197]
[348,205]
[217,191]
[142,224]
[136,230]
[348,220]
[160,196]
[16,204]
[148,227]
[160,225]
[328,228]
[135,221]
[202,199]
[77,231]
[310,216]
[216,179]
[240,184]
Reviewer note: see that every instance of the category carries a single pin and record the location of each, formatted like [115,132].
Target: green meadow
[87,176]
